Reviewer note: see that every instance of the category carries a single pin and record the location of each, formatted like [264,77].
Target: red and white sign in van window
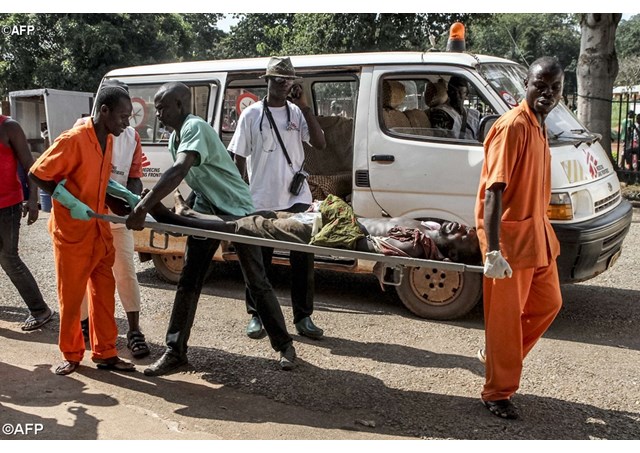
[245,100]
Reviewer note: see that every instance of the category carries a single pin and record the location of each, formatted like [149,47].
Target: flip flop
[33,322]
[114,364]
[502,408]
[66,367]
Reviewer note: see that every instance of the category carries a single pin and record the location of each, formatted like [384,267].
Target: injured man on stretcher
[332,223]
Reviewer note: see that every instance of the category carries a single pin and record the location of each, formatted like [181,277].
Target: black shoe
[307,328]
[165,364]
[255,329]
[288,358]
[85,329]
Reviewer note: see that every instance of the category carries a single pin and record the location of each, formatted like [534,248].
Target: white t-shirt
[269,173]
[124,146]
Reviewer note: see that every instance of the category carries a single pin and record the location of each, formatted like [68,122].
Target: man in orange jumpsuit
[76,170]
[516,236]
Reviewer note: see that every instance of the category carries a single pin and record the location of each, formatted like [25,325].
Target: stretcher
[393,262]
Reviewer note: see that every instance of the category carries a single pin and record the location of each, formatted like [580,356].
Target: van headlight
[560,207]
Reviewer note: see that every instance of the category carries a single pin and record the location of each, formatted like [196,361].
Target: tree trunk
[596,72]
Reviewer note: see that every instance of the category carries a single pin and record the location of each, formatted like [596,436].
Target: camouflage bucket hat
[280,67]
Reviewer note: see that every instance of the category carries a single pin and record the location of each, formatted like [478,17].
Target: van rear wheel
[169,267]
[438,294]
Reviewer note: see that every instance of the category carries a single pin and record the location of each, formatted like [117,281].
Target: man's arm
[19,145]
[316,136]
[492,215]
[134,185]
[166,185]
[495,266]
[241,163]
[46,185]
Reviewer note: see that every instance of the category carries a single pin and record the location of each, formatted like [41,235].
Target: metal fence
[625,136]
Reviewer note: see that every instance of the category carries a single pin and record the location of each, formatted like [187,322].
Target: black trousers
[302,278]
[198,256]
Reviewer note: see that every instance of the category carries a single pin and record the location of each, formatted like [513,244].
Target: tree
[74,51]
[205,35]
[597,69]
[300,34]
[519,37]
[256,35]
[628,49]
[628,38]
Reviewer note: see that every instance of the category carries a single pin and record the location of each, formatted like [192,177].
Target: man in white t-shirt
[281,118]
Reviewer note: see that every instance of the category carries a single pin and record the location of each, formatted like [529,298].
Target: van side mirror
[485,125]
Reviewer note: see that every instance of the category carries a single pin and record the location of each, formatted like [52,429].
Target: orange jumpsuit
[518,310]
[83,250]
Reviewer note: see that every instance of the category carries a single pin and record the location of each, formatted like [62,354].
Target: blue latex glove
[79,210]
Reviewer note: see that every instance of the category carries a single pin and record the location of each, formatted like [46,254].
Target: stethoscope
[265,106]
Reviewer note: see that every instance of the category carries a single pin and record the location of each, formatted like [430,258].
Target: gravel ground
[380,373]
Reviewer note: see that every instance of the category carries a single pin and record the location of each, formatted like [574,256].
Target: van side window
[330,169]
[235,101]
[434,105]
[143,117]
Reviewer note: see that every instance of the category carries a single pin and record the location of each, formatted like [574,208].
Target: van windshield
[508,82]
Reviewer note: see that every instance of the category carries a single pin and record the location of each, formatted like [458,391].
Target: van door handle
[383,158]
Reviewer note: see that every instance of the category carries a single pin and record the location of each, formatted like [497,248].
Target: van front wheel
[438,294]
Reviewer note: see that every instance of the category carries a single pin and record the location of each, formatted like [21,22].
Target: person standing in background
[269,138]
[14,152]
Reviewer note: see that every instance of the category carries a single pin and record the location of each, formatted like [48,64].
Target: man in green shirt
[202,161]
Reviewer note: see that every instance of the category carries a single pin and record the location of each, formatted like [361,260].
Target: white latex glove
[495,266]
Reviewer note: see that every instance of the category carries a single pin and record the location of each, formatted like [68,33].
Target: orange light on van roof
[456,41]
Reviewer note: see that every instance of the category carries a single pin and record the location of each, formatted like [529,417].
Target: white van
[384,156]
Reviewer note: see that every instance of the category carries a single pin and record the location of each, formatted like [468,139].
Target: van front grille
[605,203]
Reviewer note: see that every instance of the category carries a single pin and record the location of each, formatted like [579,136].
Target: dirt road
[380,373]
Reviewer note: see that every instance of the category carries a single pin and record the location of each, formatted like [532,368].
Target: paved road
[380,373]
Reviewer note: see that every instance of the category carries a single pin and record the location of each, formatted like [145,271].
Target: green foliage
[628,38]
[525,37]
[317,33]
[74,51]
[256,35]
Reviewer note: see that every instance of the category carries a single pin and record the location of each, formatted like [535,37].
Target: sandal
[136,342]
[114,364]
[66,367]
[35,322]
[502,408]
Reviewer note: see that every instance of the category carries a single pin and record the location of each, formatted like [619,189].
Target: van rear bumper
[590,248]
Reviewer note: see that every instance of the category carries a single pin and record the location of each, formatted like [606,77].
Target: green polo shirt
[214,177]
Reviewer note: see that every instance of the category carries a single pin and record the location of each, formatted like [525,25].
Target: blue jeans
[11,263]
[302,277]
[198,255]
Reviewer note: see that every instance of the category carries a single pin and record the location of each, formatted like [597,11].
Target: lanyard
[274,127]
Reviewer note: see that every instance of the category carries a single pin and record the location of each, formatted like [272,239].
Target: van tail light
[560,207]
